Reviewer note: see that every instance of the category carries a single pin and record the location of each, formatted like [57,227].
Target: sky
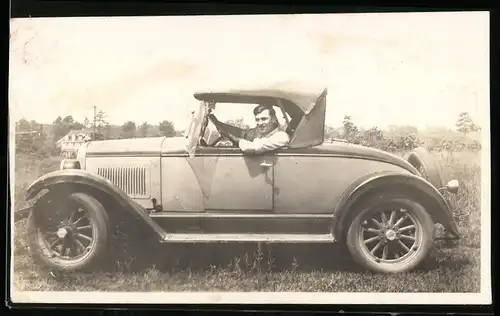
[419,69]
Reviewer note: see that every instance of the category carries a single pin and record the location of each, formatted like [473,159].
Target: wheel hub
[64,232]
[390,235]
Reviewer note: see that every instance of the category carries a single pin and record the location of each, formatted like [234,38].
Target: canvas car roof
[302,96]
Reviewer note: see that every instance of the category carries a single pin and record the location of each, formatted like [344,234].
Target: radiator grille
[131,180]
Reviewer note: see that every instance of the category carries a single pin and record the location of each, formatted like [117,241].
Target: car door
[236,182]
[303,183]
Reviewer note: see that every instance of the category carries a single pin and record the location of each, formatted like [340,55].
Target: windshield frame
[198,118]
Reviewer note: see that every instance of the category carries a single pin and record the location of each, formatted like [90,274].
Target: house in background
[71,142]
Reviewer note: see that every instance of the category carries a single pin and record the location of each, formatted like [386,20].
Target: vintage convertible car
[195,189]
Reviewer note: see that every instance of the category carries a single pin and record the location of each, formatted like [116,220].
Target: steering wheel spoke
[216,141]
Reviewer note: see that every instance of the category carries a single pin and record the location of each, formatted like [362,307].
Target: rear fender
[71,180]
[406,183]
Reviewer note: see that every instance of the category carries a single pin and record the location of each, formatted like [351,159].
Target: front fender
[417,187]
[74,179]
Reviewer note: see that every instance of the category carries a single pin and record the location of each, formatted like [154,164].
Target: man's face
[264,123]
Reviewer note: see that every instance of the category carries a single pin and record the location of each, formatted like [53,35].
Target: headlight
[453,186]
[69,164]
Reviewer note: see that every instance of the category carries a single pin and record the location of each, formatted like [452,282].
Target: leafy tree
[61,126]
[101,128]
[23,126]
[331,133]
[100,119]
[167,128]
[128,129]
[58,129]
[86,123]
[465,124]
[68,120]
[373,137]
[143,130]
[31,138]
[350,129]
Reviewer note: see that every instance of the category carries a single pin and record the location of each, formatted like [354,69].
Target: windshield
[194,129]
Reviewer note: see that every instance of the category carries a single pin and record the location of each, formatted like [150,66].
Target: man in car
[266,136]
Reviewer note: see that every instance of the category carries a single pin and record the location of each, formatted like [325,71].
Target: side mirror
[453,186]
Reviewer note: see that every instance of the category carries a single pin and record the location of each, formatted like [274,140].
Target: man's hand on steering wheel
[221,131]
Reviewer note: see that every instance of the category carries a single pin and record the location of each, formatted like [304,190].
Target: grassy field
[277,268]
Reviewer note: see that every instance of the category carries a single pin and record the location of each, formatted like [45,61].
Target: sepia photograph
[254,159]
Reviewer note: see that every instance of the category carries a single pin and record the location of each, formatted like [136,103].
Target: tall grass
[27,169]
[247,267]
[466,168]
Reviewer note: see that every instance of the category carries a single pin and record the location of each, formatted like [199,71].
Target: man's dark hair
[262,107]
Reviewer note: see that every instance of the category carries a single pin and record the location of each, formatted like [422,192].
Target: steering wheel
[221,137]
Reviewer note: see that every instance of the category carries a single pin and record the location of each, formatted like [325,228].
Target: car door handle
[266,164]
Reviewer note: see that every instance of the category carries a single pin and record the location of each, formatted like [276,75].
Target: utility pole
[94,122]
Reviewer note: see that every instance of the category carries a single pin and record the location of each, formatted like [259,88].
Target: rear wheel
[390,234]
[69,235]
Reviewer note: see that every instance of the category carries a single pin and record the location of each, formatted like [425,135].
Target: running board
[222,215]
[243,223]
[266,238]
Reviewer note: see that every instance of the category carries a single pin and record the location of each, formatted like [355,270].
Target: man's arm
[273,142]
[230,129]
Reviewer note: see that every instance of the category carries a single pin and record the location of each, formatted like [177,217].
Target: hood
[363,152]
[137,146]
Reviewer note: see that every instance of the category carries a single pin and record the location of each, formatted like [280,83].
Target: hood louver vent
[132,180]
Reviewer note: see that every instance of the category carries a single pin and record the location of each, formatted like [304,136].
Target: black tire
[389,240]
[427,165]
[90,213]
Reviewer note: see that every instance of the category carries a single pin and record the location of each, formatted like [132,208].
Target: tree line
[33,137]
[36,138]
[405,138]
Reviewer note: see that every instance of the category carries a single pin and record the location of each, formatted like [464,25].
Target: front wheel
[390,234]
[68,235]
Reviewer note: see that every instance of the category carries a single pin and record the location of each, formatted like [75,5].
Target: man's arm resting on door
[273,142]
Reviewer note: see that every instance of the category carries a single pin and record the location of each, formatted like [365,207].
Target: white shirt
[274,140]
